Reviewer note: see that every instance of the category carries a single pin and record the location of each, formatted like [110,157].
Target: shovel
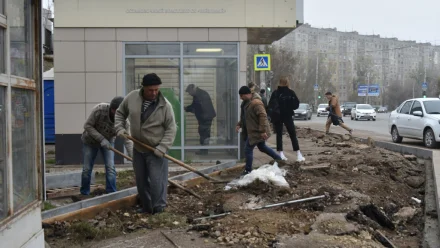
[170,181]
[174,160]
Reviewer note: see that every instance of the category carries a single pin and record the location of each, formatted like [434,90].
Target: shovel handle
[173,159]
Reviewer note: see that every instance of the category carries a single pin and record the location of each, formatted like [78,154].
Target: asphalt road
[377,130]
[373,128]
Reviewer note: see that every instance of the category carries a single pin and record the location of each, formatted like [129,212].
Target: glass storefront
[18,111]
[3,157]
[201,82]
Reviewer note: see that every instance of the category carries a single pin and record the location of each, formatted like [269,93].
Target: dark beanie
[244,90]
[151,79]
[116,101]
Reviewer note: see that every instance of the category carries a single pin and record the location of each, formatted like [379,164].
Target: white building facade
[103,52]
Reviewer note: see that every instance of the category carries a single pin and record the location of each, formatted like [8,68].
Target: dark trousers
[151,174]
[290,126]
[249,151]
[205,132]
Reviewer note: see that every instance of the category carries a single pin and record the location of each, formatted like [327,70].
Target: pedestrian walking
[99,135]
[282,104]
[255,127]
[204,111]
[263,98]
[152,123]
[335,115]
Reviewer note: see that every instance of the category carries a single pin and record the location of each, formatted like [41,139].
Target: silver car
[417,118]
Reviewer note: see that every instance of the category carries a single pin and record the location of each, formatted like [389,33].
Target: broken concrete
[333,224]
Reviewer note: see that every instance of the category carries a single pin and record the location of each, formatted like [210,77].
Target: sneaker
[300,158]
[283,157]
[245,172]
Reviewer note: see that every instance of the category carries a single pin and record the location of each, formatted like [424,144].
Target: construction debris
[357,197]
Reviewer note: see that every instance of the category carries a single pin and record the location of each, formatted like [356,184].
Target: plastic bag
[267,173]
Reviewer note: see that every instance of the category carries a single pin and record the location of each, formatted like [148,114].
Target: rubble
[367,203]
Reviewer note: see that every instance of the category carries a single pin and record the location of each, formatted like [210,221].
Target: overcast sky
[405,19]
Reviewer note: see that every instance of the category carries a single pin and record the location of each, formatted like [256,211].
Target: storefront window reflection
[3,158]
[23,147]
[21,37]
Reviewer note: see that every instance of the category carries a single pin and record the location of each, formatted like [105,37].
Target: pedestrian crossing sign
[262,62]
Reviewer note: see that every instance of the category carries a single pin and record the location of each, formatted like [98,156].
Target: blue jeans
[90,153]
[249,153]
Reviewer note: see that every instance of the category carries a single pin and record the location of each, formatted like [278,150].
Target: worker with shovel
[152,122]
[255,126]
[99,136]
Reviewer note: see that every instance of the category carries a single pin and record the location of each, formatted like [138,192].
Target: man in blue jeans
[255,126]
[99,135]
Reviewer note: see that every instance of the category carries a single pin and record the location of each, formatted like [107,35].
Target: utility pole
[368,88]
[316,82]
[262,73]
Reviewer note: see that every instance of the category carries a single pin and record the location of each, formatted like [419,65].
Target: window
[432,107]
[23,147]
[416,107]
[205,131]
[21,34]
[3,159]
[212,117]
[406,107]
[209,49]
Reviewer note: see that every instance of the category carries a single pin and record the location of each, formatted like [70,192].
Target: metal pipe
[212,216]
[290,202]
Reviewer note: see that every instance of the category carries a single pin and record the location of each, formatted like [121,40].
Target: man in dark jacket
[254,121]
[204,111]
[98,137]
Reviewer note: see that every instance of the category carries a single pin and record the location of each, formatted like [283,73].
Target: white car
[363,112]
[322,109]
[417,118]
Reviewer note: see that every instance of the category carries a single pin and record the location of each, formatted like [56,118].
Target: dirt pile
[366,190]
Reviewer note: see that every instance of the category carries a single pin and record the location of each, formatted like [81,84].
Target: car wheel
[374,119]
[317,115]
[356,119]
[395,135]
[429,138]
[351,117]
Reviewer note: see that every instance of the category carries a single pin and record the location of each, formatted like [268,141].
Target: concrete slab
[65,180]
[126,192]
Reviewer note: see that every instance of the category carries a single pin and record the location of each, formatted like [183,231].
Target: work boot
[76,198]
[141,211]
[158,210]
[245,172]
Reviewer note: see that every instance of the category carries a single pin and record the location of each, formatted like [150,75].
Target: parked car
[347,108]
[304,112]
[382,110]
[322,109]
[417,118]
[363,112]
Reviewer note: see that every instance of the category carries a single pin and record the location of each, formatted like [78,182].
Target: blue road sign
[262,62]
[424,86]
[373,90]
[315,87]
